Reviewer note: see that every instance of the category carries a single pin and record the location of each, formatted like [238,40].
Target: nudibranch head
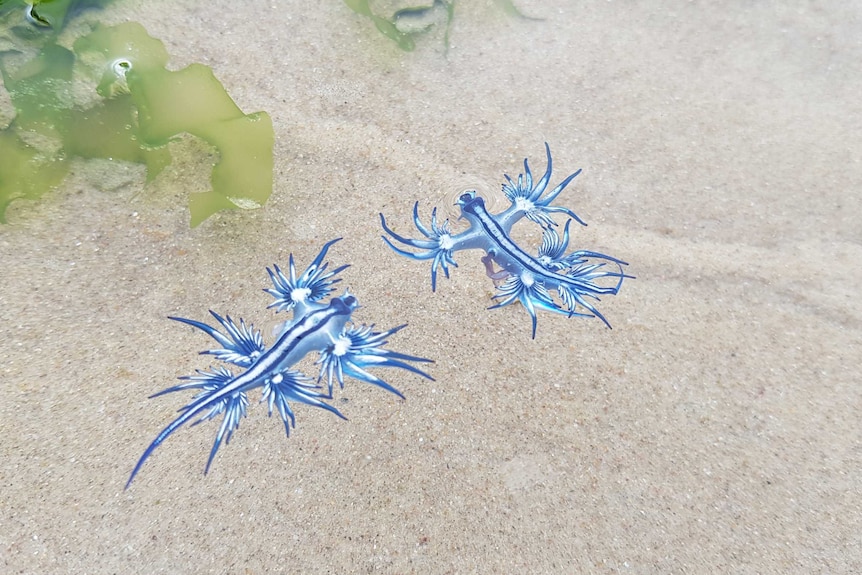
[466,198]
[469,201]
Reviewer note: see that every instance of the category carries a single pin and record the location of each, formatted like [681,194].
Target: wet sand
[714,429]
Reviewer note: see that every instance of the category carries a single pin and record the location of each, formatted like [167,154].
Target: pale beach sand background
[715,429]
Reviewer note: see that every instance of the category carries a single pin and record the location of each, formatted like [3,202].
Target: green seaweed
[141,108]
[39,89]
[40,13]
[193,101]
[402,20]
[107,130]
[30,159]
[24,171]
[403,24]
[49,13]
[511,10]
[386,26]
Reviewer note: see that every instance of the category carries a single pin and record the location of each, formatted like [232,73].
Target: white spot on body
[524,205]
[342,344]
[299,294]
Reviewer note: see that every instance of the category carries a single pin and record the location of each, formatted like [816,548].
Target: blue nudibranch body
[577,277]
[317,326]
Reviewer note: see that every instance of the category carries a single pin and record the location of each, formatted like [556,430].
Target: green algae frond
[193,101]
[385,25]
[108,130]
[403,20]
[511,10]
[45,14]
[137,107]
[24,171]
[36,75]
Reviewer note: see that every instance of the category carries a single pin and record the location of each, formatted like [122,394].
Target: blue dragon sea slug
[579,278]
[317,326]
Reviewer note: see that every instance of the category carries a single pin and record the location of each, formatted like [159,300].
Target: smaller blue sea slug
[578,278]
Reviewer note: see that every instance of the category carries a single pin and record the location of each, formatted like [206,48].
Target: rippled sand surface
[714,429]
